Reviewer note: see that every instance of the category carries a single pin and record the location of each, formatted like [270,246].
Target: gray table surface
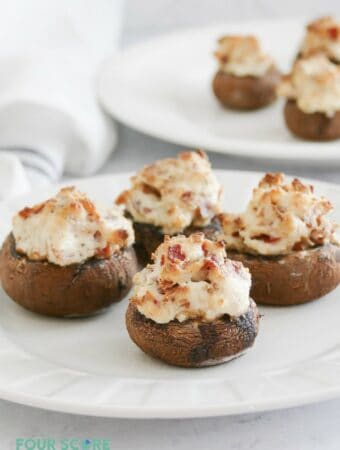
[309,427]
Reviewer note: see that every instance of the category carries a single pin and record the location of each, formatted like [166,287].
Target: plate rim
[133,412]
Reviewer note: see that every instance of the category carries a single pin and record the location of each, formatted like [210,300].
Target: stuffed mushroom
[172,196]
[247,77]
[322,36]
[191,306]
[312,93]
[68,257]
[285,239]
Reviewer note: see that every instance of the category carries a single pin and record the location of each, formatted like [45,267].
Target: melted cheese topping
[69,229]
[174,193]
[315,85]
[323,35]
[280,218]
[242,56]
[191,278]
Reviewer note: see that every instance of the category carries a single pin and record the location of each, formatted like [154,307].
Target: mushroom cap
[64,291]
[311,126]
[246,93]
[298,277]
[194,343]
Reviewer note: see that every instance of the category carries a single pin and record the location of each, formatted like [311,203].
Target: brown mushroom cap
[194,343]
[311,126]
[246,93]
[149,237]
[292,279]
[73,290]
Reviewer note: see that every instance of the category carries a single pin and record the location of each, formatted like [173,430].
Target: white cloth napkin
[50,120]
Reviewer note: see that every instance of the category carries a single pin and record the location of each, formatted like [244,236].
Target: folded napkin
[50,120]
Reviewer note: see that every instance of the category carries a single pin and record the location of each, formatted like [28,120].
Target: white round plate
[90,366]
[163,88]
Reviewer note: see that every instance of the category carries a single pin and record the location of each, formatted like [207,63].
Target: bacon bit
[74,206]
[186,196]
[221,57]
[300,187]
[210,264]
[148,189]
[327,205]
[89,207]
[205,249]
[104,252]
[187,155]
[238,222]
[333,33]
[235,234]
[155,302]
[271,179]
[298,246]
[122,234]
[162,260]
[220,244]
[122,198]
[175,253]
[166,285]
[119,237]
[266,238]
[97,235]
[317,237]
[202,154]
[223,217]
[27,212]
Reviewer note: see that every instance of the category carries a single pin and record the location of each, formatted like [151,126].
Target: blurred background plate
[162,87]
